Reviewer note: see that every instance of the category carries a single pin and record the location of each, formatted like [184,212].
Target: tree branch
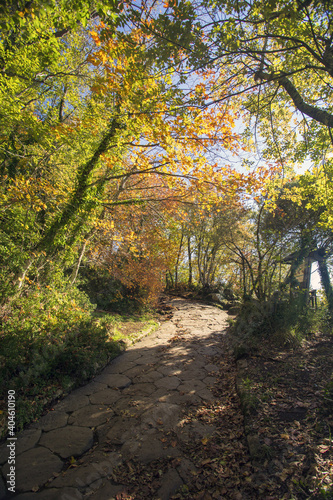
[317,114]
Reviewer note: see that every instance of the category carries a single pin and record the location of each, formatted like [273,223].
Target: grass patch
[127,328]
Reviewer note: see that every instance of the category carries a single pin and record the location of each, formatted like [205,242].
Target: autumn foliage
[151,146]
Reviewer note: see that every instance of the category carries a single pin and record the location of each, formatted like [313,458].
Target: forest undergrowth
[285,385]
[54,339]
[286,398]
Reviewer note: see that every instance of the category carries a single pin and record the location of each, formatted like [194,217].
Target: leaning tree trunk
[178,258]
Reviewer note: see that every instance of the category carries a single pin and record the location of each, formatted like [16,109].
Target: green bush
[287,321]
[49,341]
[108,293]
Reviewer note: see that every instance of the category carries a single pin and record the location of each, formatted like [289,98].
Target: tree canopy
[107,107]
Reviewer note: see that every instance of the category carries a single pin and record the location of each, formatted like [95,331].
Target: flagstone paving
[124,413]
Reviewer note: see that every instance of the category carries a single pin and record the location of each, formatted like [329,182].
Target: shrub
[137,293]
[49,341]
[286,321]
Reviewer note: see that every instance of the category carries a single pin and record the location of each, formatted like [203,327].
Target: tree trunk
[178,258]
[199,260]
[78,197]
[189,252]
[77,267]
[22,276]
[243,277]
[169,280]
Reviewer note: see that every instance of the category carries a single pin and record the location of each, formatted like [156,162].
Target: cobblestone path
[126,413]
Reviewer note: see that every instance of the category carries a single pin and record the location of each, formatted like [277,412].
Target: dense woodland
[179,145]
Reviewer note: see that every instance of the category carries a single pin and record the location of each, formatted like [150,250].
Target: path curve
[131,411]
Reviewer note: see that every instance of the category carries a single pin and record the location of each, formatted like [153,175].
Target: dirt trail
[161,421]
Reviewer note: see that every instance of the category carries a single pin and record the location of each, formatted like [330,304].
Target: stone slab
[136,371]
[169,369]
[35,467]
[182,399]
[90,388]
[102,462]
[114,380]
[187,470]
[191,386]
[80,477]
[148,449]
[142,389]
[211,368]
[171,482]
[119,366]
[90,416]
[192,374]
[168,383]
[162,415]
[27,440]
[209,381]
[52,420]
[131,406]
[68,441]
[105,397]
[195,431]
[151,376]
[149,361]
[132,354]
[121,429]
[205,394]
[107,491]
[72,403]
[53,494]
[209,351]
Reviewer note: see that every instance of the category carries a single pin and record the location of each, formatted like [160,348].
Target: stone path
[125,413]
